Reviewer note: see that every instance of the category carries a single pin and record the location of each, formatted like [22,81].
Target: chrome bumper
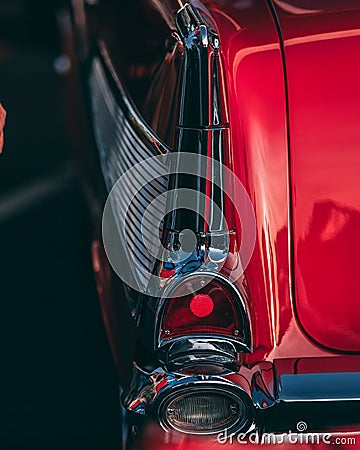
[278,401]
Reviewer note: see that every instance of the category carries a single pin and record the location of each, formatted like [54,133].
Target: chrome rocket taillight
[192,318]
[192,295]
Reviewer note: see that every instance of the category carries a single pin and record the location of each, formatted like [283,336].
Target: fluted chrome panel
[121,147]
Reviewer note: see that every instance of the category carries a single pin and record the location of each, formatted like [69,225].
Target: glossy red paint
[321,40]
[318,365]
[255,78]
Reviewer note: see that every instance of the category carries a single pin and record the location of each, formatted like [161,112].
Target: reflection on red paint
[167,273]
[2,124]
[324,99]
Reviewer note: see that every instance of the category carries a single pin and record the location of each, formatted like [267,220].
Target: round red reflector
[202,305]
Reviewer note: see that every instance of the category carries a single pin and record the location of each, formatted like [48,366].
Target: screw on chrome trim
[167,332]
[233,409]
[171,411]
[236,332]
[202,283]
[216,42]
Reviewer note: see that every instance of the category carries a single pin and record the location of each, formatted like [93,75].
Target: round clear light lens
[207,412]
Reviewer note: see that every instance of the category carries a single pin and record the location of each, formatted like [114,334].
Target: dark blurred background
[58,388]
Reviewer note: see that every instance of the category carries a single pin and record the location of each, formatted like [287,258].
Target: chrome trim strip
[132,114]
[319,387]
[195,345]
[185,353]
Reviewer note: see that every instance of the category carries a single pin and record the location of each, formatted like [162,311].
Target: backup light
[202,410]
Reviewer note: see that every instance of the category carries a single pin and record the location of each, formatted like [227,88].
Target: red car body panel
[257,99]
[258,123]
[324,115]
[257,106]
[293,96]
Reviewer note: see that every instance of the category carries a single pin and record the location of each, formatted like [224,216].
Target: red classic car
[223,173]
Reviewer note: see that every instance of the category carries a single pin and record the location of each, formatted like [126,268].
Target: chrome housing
[152,393]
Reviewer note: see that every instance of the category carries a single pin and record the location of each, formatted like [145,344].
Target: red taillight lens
[199,306]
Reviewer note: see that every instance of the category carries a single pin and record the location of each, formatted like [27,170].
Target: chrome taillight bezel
[241,342]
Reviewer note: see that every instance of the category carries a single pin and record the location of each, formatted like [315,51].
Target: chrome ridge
[123,140]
